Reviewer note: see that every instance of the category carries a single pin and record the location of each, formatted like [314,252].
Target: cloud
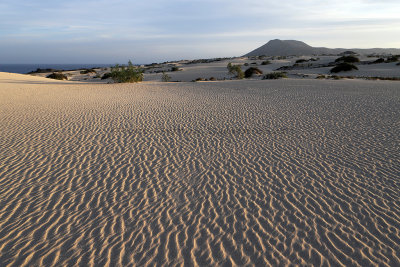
[206,25]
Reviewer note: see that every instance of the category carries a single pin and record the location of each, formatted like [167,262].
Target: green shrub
[106,76]
[348,59]
[129,74]
[301,61]
[274,75]
[235,70]
[165,77]
[343,67]
[393,58]
[266,62]
[252,70]
[86,71]
[379,60]
[320,76]
[175,68]
[57,76]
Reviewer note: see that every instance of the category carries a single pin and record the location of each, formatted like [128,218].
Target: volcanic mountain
[292,47]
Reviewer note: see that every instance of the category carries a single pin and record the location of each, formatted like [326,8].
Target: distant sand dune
[237,172]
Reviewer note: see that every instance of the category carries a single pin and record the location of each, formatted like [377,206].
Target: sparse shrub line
[274,75]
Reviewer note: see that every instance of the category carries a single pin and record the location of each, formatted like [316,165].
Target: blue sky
[72,31]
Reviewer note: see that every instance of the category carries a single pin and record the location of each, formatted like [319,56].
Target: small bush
[379,60]
[212,79]
[165,77]
[86,71]
[348,59]
[343,67]
[398,64]
[251,71]
[320,76]
[266,62]
[198,80]
[106,76]
[301,61]
[57,76]
[393,58]
[235,70]
[175,68]
[274,75]
[130,74]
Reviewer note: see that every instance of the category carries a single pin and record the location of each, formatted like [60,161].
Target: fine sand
[211,173]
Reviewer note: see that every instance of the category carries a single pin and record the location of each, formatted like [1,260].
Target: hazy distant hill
[292,47]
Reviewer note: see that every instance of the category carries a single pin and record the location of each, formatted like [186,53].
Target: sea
[25,68]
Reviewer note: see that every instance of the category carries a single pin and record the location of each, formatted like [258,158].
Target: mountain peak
[278,47]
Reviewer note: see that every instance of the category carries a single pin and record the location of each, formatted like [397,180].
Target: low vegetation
[129,74]
[379,60]
[343,67]
[348,59]
[301,61]
[274,75]
[57,76]
[252,71]
[266,62]
[393,58]
[106,76]
[165,77]
[87,71]
[175,68]
[235,70]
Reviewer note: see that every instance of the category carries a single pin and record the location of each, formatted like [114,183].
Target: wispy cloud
[204,24]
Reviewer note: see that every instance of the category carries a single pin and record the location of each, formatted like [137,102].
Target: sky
[146,31]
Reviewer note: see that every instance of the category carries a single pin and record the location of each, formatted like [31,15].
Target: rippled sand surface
[219,173]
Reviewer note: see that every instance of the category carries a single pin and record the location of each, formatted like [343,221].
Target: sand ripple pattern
[231,173]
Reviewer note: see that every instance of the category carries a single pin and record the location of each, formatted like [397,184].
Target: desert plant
[129,74]
[301,61]
[175,68]
[274,75]
[347,59]
[165,77]
[266,62]
[252,70]
[106,76]
[86,71]
[235,70]
[57,76]
[343,67]
[379,60]
[320,76]
[212,79]
[393,58]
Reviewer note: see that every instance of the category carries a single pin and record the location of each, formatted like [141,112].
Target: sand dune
[236,172]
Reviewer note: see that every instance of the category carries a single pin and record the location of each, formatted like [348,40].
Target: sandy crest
[235,172]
